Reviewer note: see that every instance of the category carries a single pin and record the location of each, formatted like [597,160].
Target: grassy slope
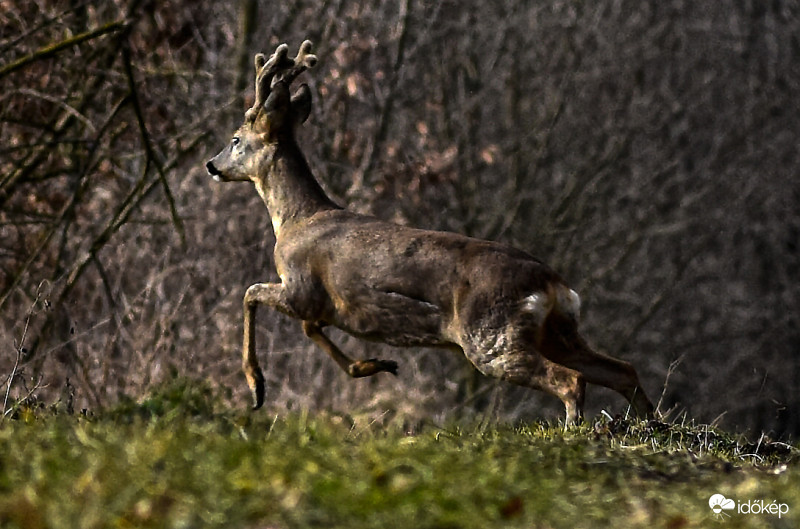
[173,462]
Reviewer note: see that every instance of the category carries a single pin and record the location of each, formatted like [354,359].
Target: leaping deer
[511,315]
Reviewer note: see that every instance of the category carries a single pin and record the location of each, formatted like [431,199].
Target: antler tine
[302,62]
[265,72]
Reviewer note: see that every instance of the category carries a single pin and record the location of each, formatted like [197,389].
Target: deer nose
[215,173]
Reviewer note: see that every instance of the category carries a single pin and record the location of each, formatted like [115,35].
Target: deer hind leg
[354,368]
[563,344]
[612,373]
[530,369]
[557,380]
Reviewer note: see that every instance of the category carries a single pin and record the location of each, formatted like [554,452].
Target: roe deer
[511,316]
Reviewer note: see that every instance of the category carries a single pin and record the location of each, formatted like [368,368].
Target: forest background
[646,150]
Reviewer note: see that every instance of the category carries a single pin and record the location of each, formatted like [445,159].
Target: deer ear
[276,108]
[301,104]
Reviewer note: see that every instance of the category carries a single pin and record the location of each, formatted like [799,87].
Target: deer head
[272,118]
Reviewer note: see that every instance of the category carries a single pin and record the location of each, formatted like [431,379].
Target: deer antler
[279,67]
[302,62]
[265,71]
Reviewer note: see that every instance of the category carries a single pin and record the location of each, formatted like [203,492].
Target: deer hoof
[390,366]
[258,388]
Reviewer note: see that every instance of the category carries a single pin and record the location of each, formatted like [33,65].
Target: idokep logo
[719,504]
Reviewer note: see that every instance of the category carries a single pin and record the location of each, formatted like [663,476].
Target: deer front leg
[354,368]
[271,294]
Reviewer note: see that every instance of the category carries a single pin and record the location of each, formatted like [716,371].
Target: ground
[179,459]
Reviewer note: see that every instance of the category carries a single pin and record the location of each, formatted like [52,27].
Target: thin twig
[20,349]
[672,367]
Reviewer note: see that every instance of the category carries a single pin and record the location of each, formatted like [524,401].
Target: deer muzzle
[213,171]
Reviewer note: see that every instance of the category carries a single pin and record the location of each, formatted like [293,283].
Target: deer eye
[235,141]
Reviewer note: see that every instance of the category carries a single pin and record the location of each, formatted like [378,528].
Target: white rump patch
[566,302]
[569,302]
[538,304]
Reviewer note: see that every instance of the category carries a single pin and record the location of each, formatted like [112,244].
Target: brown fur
[512,316]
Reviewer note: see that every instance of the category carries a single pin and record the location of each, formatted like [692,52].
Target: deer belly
[392,318]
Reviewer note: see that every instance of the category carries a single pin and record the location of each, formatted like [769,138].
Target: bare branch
[148,145]
[52,49]
[374,147]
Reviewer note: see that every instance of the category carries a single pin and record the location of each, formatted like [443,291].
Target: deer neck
[289,189]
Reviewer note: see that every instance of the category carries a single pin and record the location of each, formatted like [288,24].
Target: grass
[178,460]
